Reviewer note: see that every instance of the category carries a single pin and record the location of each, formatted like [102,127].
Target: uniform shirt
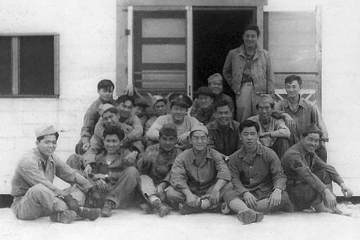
[91,117]
[33,169]
[276,127]
[156,163]
[186,173]
[225,140]
[149,123]
[261,172]
[299,166]
[97,140]
[305,114]
[261,70]
[220,97]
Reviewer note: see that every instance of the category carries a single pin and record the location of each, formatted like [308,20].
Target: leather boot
[106,210]
[83,212]
[161,208]
[249,216]
[184,209]
[67,216]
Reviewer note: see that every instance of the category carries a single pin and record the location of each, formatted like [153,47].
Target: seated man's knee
[230,195]
[75,162]
[39,191]
[133,172]
[324,176]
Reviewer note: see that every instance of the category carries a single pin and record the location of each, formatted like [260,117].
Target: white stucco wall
[87,31]
[87,55]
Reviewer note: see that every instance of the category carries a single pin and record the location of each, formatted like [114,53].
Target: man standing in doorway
[247,70]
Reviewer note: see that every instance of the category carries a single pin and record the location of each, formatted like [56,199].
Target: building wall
[87,55]
[88,47]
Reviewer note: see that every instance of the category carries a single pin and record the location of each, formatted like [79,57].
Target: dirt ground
[133,224]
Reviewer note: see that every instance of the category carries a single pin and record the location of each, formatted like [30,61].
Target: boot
[285,204]
[89,213]
[185,209]
[249,216]
[161,208]
[106,210]
[146,208]
[67,216]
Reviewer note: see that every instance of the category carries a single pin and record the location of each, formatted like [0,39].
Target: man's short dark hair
[42,137]
[248,124]
[223,103]
[114,131]
[106,84]
[291,78]
[254,28]
[124,98]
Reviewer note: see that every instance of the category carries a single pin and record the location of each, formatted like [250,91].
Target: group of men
[204,161]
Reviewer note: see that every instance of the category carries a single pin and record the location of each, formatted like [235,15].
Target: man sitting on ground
[258,178]
[199,177]
[309,178]
[274,133]
[33,190]
[224,132]
[155,166]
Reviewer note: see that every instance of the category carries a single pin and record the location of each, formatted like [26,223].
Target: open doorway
[215,33]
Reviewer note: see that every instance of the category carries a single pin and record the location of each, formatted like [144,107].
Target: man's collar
[207,154]
[301,101]
[303,151]
[231,125]
[258,151]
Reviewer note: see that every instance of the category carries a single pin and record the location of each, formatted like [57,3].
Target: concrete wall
[87,55]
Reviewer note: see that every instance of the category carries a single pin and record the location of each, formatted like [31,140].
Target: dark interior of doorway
[216,32]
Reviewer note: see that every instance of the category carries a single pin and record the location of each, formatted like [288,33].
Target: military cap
[200,127]
[45,130]
[105,107]
[182,101]
[205,91]
[158,98]
[215,77]
[141,103]
[312,128]
[168,129]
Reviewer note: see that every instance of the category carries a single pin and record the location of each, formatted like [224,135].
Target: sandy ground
[133,224]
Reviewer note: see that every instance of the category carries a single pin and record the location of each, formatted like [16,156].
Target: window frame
[15,60]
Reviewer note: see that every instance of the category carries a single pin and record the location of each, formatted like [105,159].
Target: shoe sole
[247,217]
[164,213]
[64,217]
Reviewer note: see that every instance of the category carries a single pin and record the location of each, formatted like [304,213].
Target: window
[29,66]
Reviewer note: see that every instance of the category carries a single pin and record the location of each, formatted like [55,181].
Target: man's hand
[330,199]
[346,191]
[275,198]
[182,138]
[101,184]
[129,90]
[214,197]
[85,146]
[130,158]
[289,121]
[264,134]
[250,200]
[126,128]
[191,200]
[87,170]
[99,176]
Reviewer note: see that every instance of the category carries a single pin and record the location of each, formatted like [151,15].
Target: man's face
[205,101]
[47,145]
[125,109]
[178,113]
[223,116]
[250,38]
[139,111]
[110,119]
[249,137]
[167,142]
[199,140]
[310,142]
[265,111]
[216,86]
[112,143]
[160,108]
[293,89]
[105,94]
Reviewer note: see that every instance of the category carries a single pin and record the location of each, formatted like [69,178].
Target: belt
[247,83]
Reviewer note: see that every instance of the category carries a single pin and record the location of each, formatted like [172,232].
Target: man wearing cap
[215,83]
[273,133]
[116,177]
[32,186]
[178,116]
[258,178]
[199,176]
[299,113]
[310,178]
[248,72]
[111,116]
[224,132]
[205,113]
[154,166]
[139,110]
